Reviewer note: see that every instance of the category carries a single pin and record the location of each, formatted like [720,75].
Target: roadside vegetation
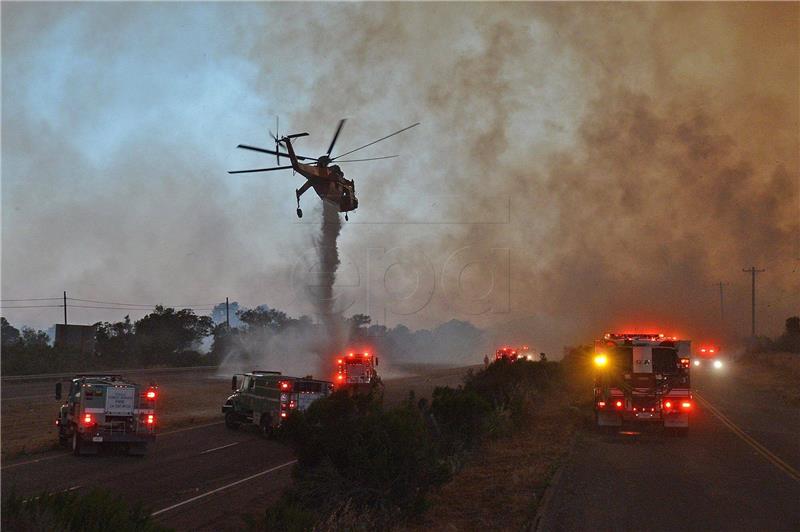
[364,466]
[169,337]
[95,511]
[773,365]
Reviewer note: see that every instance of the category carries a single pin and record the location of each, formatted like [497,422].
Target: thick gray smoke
[627,157]
[328,256]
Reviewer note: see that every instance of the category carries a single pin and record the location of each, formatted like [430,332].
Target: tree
[165,333]
[32,338]
[790,340]
[115,339]
[263,316]
[9,333]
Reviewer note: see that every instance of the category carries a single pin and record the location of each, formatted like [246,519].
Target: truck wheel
[232,420]
[77,443]
[266,426]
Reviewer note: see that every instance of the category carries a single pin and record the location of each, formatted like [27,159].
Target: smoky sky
[578,168]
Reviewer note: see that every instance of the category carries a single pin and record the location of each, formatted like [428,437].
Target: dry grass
[502,487]
[28,424]
[775,372]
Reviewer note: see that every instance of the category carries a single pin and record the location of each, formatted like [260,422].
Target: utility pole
[753,271]
[227,314]
[721,301]
[65,307]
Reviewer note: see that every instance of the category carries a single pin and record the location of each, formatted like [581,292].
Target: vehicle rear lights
[87,419]
[601,404]
[668,404]
[285,385]
[618,404]
[710,350]
[686,405]
[151,419]
[151,393]
[283,414]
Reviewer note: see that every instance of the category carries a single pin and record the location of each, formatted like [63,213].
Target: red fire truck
[642,378]
[356,372]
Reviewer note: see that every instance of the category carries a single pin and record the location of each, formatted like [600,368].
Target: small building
[76,337]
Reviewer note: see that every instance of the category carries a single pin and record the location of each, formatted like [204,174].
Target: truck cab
[102,409]
[266,398]
[642,378]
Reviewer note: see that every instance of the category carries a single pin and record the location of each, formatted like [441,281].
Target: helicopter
[327,179]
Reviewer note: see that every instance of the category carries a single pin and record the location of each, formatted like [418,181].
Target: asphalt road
[196,478]
[739,469]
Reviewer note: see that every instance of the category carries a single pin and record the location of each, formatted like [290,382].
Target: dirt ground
[510,473]
[778,372]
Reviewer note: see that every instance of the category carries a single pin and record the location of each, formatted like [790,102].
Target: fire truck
[266,398]
[105,409]
[507,353]
[642,378]
[356,373]
[511,353]
[709,356]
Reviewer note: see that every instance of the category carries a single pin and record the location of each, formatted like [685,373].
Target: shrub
[95,511]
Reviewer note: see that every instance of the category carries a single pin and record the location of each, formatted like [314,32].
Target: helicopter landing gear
[299,212]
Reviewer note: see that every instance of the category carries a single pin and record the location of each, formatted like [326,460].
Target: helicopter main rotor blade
[336,135]
[376,141]
[274,152]
[370,159]
[259,170]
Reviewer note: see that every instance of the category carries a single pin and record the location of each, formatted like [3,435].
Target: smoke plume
[328,255]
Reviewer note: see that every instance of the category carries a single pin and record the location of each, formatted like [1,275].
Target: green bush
[362,466]
[462,419]
[352,449]
[97,510]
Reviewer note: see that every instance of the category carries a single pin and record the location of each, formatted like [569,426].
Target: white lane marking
[48,396]
[206,494]
[60,455]
[191,427]
[219,448]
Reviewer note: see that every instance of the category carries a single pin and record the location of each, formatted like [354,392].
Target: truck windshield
[305,386]
[621,358]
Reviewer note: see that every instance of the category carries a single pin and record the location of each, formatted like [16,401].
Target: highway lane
[714,479]
[194,478]
[180,466]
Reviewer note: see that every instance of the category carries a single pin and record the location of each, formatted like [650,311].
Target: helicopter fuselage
[328,181]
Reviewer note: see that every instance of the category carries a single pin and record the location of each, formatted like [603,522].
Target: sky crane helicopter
[327,179]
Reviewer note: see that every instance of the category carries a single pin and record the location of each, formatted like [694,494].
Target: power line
[97,307]
[148,305]
[31,306]
[34,299]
